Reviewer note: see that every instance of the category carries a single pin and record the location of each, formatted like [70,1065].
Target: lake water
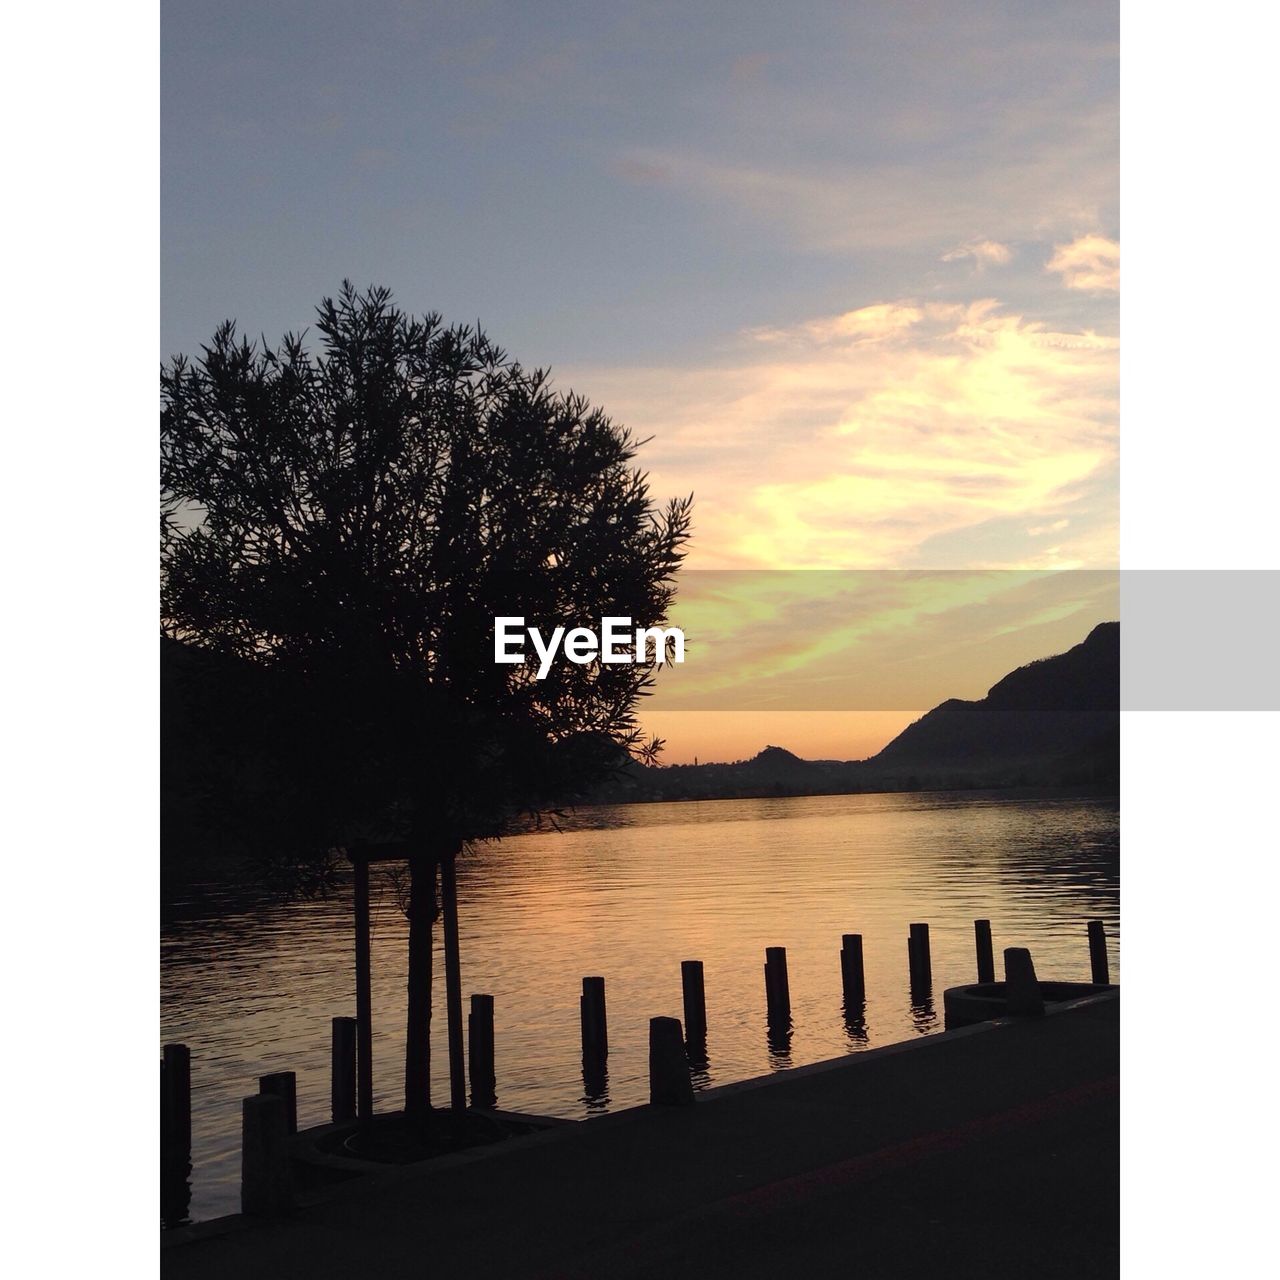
[251,985]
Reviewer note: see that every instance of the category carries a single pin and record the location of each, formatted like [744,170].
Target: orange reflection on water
[628,893]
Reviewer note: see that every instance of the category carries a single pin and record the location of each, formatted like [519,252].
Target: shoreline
[772,1162]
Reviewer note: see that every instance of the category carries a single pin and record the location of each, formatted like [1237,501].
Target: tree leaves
[351,519]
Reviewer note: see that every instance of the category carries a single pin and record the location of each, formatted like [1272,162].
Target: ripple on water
[628,892]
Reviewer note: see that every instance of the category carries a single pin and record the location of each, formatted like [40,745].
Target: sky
[852,267]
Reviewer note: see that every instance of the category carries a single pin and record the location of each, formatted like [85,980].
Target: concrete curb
[568,1130]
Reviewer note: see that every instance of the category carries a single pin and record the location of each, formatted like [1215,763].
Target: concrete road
[990,1152]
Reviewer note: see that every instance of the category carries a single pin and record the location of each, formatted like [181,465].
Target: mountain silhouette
[1050,708]
[1053,722]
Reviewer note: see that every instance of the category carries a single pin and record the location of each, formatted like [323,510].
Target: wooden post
[595,1026]
[852,979]
[175,1099]
[695,1002]
[364,998]
[919,960]
[669,1082]
[453,982]
[986,956]
[777,989]
[1098,953]
[265,1183]
[480,1051]
[1022,990]
[175,1135]
[283,1084]
[175,1164]
[343,1071]
[417,1050]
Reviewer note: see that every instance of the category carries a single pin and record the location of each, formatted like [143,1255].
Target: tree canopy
[346,522]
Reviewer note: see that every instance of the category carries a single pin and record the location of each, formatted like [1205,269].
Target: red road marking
[796,1189]
[862,1168]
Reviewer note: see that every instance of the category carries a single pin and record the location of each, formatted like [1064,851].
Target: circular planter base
[984,1001]
[335,1152]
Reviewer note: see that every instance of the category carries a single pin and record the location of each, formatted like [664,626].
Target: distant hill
[1048,709]
[1054,722]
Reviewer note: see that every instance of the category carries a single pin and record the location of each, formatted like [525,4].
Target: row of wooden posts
[270,1117]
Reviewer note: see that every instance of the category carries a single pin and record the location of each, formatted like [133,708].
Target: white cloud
[897,205]
[871,438]
[873,323]
[985,253]
[1032,174]
[1089,262]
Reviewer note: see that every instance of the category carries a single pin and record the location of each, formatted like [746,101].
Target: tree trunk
[453,981]
[417,1048]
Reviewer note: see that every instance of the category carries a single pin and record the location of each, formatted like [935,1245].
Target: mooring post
[480,1051]
[852,979]
[175,1097]
[670,1084]
[695,1002]
[453,983]
[364,997]
[1022,991]
[265,1183]
[1098,953]
[342,1089]
[595,1027]
[919,961]
[777,989]
[986,956]
[283,1084]
[175,1164]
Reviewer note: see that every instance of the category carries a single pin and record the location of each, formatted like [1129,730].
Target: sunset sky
[853,267]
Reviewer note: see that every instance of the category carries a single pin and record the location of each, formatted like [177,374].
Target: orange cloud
[983,252]
[870,438]
[1089,262]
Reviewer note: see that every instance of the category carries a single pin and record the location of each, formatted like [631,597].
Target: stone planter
[981,1002]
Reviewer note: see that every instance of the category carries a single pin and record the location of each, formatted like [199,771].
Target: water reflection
[251,984]
[778,1036]
[700,1074]
[696,1052]
[924,1017]
[595,1087]
[855,1024]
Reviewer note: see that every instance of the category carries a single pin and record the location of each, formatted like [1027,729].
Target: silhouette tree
[347,523]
